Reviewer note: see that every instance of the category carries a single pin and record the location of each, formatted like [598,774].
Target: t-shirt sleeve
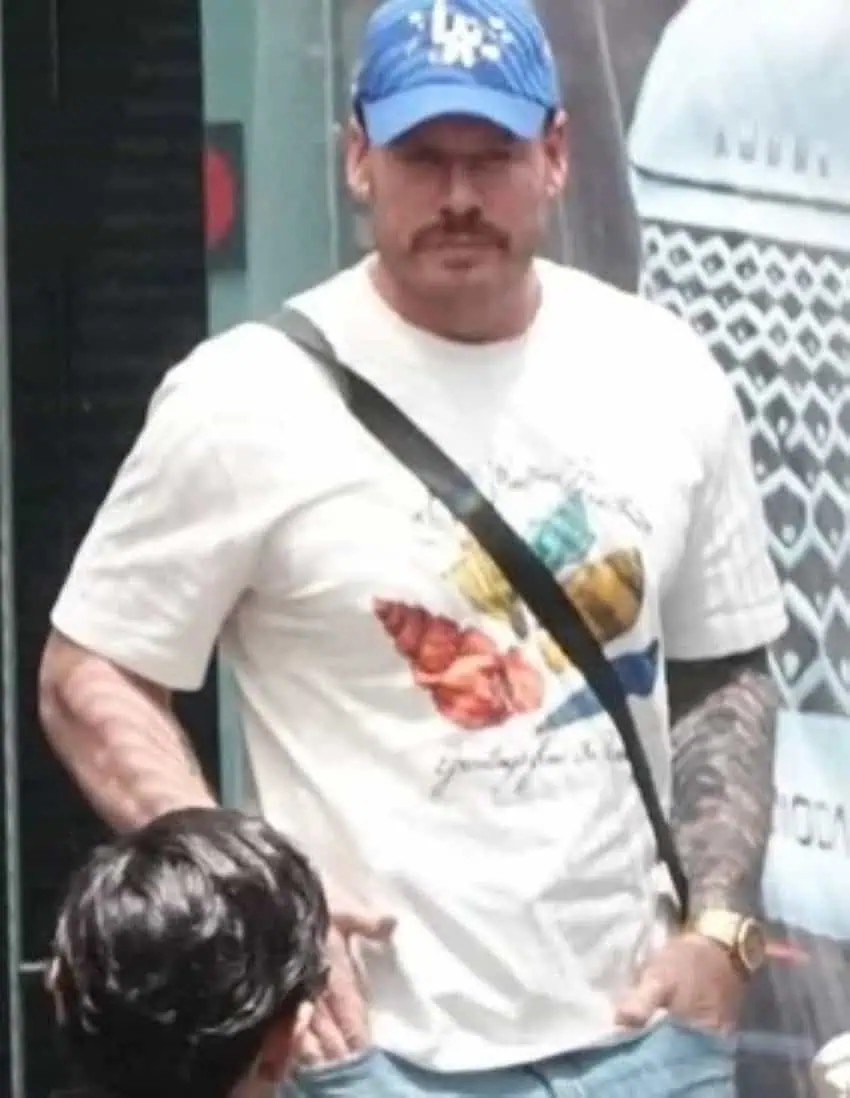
[725,596]
[169,553]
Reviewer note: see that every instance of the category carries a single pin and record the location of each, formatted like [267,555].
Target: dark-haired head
[187,957]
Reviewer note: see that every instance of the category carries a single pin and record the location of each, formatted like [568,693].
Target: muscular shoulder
[248,385]
[646,354]
[243,372]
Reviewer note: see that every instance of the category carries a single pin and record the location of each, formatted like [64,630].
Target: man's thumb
[652,992]
[365,924]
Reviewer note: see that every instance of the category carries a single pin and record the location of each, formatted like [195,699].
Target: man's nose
[461,195]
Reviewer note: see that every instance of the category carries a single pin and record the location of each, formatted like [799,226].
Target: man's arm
[721,607]
[170,552]
[117,736]
[723,714]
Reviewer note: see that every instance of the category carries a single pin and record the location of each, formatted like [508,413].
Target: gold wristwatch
[741,935]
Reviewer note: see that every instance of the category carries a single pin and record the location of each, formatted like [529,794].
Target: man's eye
[496,157]
[421,156]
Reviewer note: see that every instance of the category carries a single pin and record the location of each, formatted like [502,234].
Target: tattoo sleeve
[723,722]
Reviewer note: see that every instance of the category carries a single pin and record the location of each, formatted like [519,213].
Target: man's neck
[464,319]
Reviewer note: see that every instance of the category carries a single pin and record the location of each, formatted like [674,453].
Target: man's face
[459,207]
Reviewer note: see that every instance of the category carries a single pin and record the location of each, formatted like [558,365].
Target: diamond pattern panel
[778,319]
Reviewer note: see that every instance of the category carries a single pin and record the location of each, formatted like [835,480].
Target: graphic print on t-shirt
[519,718]
[477,684]
[472,682]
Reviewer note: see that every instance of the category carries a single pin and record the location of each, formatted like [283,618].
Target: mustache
[448,231]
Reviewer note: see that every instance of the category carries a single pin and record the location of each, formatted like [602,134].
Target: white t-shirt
[406,721]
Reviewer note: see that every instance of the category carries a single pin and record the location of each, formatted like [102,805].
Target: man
[187,958]
[467,801]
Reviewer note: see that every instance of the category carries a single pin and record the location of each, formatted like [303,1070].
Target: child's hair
[178,948]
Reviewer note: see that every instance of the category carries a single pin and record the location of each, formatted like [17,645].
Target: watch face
[752,945]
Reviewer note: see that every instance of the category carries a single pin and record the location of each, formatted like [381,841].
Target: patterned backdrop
[776,317]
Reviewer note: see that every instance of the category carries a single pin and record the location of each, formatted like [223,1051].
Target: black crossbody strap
[524,571]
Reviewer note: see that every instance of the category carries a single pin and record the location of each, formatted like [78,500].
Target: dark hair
[179,947]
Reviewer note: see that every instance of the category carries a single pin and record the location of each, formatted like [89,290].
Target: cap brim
[387,120]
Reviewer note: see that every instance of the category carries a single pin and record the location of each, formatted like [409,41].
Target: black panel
[45,1070]
[108,287]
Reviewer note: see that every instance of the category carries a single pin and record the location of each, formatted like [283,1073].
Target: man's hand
[694,979]
[340,1024]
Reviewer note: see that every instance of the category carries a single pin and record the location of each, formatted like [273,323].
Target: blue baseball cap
[427,59]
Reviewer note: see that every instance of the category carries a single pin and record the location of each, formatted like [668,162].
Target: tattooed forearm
[723,715]
[117,737]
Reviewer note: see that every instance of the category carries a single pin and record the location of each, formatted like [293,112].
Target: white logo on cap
[454,38]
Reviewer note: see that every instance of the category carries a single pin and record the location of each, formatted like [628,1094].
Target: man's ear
[556,150]
[357,167]
[280,1045]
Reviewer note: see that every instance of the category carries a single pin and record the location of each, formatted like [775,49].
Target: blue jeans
[669,1060]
